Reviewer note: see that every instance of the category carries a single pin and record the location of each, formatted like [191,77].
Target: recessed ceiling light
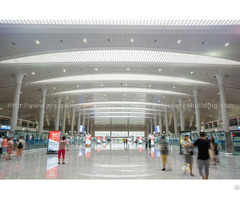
[174,87]
[85,40]
[66,97]
[218,93]
[189,100]
[54,88]
[132,40]
[37,42]
[101,84]
[149,85]
[33,73]
[163,97]
[72,101]
[226,44]
[20,92]
[64,70]
[179,41]
[125,84]
[127,69]
[159,70]
[77,85]
[191,72]
[96,69]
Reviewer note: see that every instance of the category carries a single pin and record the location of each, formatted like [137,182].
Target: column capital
[44,91]
[220,78]
[195,91]
[19,77]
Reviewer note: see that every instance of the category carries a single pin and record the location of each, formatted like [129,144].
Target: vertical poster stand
[53,142]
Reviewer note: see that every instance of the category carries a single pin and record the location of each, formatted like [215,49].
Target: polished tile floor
[111,161]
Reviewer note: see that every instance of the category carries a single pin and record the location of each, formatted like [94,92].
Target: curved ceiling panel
[119,90]
[119,56]
[119,77]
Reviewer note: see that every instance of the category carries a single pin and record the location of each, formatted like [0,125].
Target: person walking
[188,152]
[213,151]
[146,140]
[164,153]
[1,146]
[61,151]
[203,145]
[68,143]
[20,146]
[9,148]
[4,148]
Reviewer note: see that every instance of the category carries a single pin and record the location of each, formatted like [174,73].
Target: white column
[197,110]
[166,118]
[64,118]
[221,84]
[175,120]
[15,107]
[84,121]
[58,113]
[160,122]
[223,100]
[73,119]
[78,122]
[181,115]
[151,131]
[41,120]
[88,126]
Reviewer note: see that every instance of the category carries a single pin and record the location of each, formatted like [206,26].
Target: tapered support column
[88,126]
[84,122]
[148,130]
[175,120]
[166,120]
[197,110]
[15,106]
[223,100]
[73,119]
[151,126]
[41,120]
[64,119]
[78,122]
[160,122]
[58,114]
[181,115]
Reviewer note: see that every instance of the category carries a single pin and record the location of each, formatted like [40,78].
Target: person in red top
[62,145]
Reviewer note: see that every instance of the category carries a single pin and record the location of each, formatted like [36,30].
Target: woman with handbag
[188,152]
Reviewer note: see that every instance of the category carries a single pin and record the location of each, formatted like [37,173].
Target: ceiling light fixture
[37,42]
[179,41]
[191,72]
[129,56]
[131,40]
[226,44]
[64,70]
[85,40]
[33,73]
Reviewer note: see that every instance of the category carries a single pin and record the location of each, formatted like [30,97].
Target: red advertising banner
[53,141]
[99,139]
[88,140]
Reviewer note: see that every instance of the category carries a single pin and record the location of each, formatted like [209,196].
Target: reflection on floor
[111,161]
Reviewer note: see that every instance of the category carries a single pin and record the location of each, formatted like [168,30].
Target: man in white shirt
[1,145]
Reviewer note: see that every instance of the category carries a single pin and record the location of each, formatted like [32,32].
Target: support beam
[223,100]
[197,110]
[15,106]
[78,122]
[42,111]
[73,119]
[181,114]
[166,120]
[58,113]
[175,120]
[64,118]
[160,123]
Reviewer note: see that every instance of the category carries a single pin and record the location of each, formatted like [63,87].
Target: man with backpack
[19,147]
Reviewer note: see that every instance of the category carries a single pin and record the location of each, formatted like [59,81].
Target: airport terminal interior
[118,90]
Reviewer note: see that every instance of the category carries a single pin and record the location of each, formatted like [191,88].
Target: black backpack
[20,145]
